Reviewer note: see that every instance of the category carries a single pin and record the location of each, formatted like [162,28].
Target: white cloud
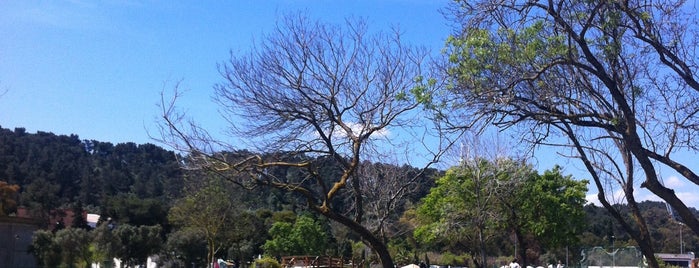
[616,198]
[684,191]
[357,128]
[687,195]
[643,194]
[592,199]
[673,182]
[690,198]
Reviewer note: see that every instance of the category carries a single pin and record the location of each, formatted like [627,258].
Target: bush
[454,260]
[266,262]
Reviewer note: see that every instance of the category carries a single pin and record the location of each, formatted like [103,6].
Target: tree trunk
[641,236]
[210,253]
[367,236]
[647,250]
[668,195]
[481,243]
[521,252]
[643,240]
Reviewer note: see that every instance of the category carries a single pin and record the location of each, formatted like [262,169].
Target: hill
[138,183]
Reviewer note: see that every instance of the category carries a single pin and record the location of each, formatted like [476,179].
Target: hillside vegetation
[138,185]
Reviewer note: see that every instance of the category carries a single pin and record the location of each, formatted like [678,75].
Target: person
[514,264]
[560,264]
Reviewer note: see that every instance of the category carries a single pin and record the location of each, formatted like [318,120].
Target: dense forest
[140,185]
[58,171]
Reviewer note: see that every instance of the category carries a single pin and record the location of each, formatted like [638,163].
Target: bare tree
[316,91]
[390,189]
[611,83]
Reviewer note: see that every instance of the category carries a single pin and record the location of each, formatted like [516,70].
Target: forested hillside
[603,230]
[139,184]
[55,171]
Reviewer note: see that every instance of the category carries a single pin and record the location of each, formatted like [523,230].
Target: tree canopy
[321,115]
[305,236]
[211,211]
[315,90]
[126,181]
[8,198]
[615,79]
[473,205]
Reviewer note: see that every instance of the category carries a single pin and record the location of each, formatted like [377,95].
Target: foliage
[68,247]
[42,198]
[476,205]
[454,260]
[75,246]
[304,237]
[314,93]
[8,198]
[79,221]
[209,211]
[130,209]
[402,252]
[57,171]
[463,210]
[248,236]
[555,208]
[280,242]
[106,244]
[45,249]
[137,243]
[266,262]
[186,246]
[613,84]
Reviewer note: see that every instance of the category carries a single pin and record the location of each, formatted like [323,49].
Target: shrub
[266,262]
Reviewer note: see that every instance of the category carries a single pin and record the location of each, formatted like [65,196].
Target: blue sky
[96,68]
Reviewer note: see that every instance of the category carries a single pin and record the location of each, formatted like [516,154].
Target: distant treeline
[137,184]
[132,183]
[59,171]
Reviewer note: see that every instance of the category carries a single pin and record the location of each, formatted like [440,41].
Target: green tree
[209,211]
[79,221]
[129,208]
[614,82]
[42,198]
[137,243]
[304,237]
[554,205]
[516,208]
[464,208]
[549,207]
[481,201]
[311,237]
[75,244]
[280,242]
[248,236]
[46,250]
[187,246]
[106,244]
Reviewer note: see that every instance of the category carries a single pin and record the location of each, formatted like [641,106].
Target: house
[16,236]
[686,260]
